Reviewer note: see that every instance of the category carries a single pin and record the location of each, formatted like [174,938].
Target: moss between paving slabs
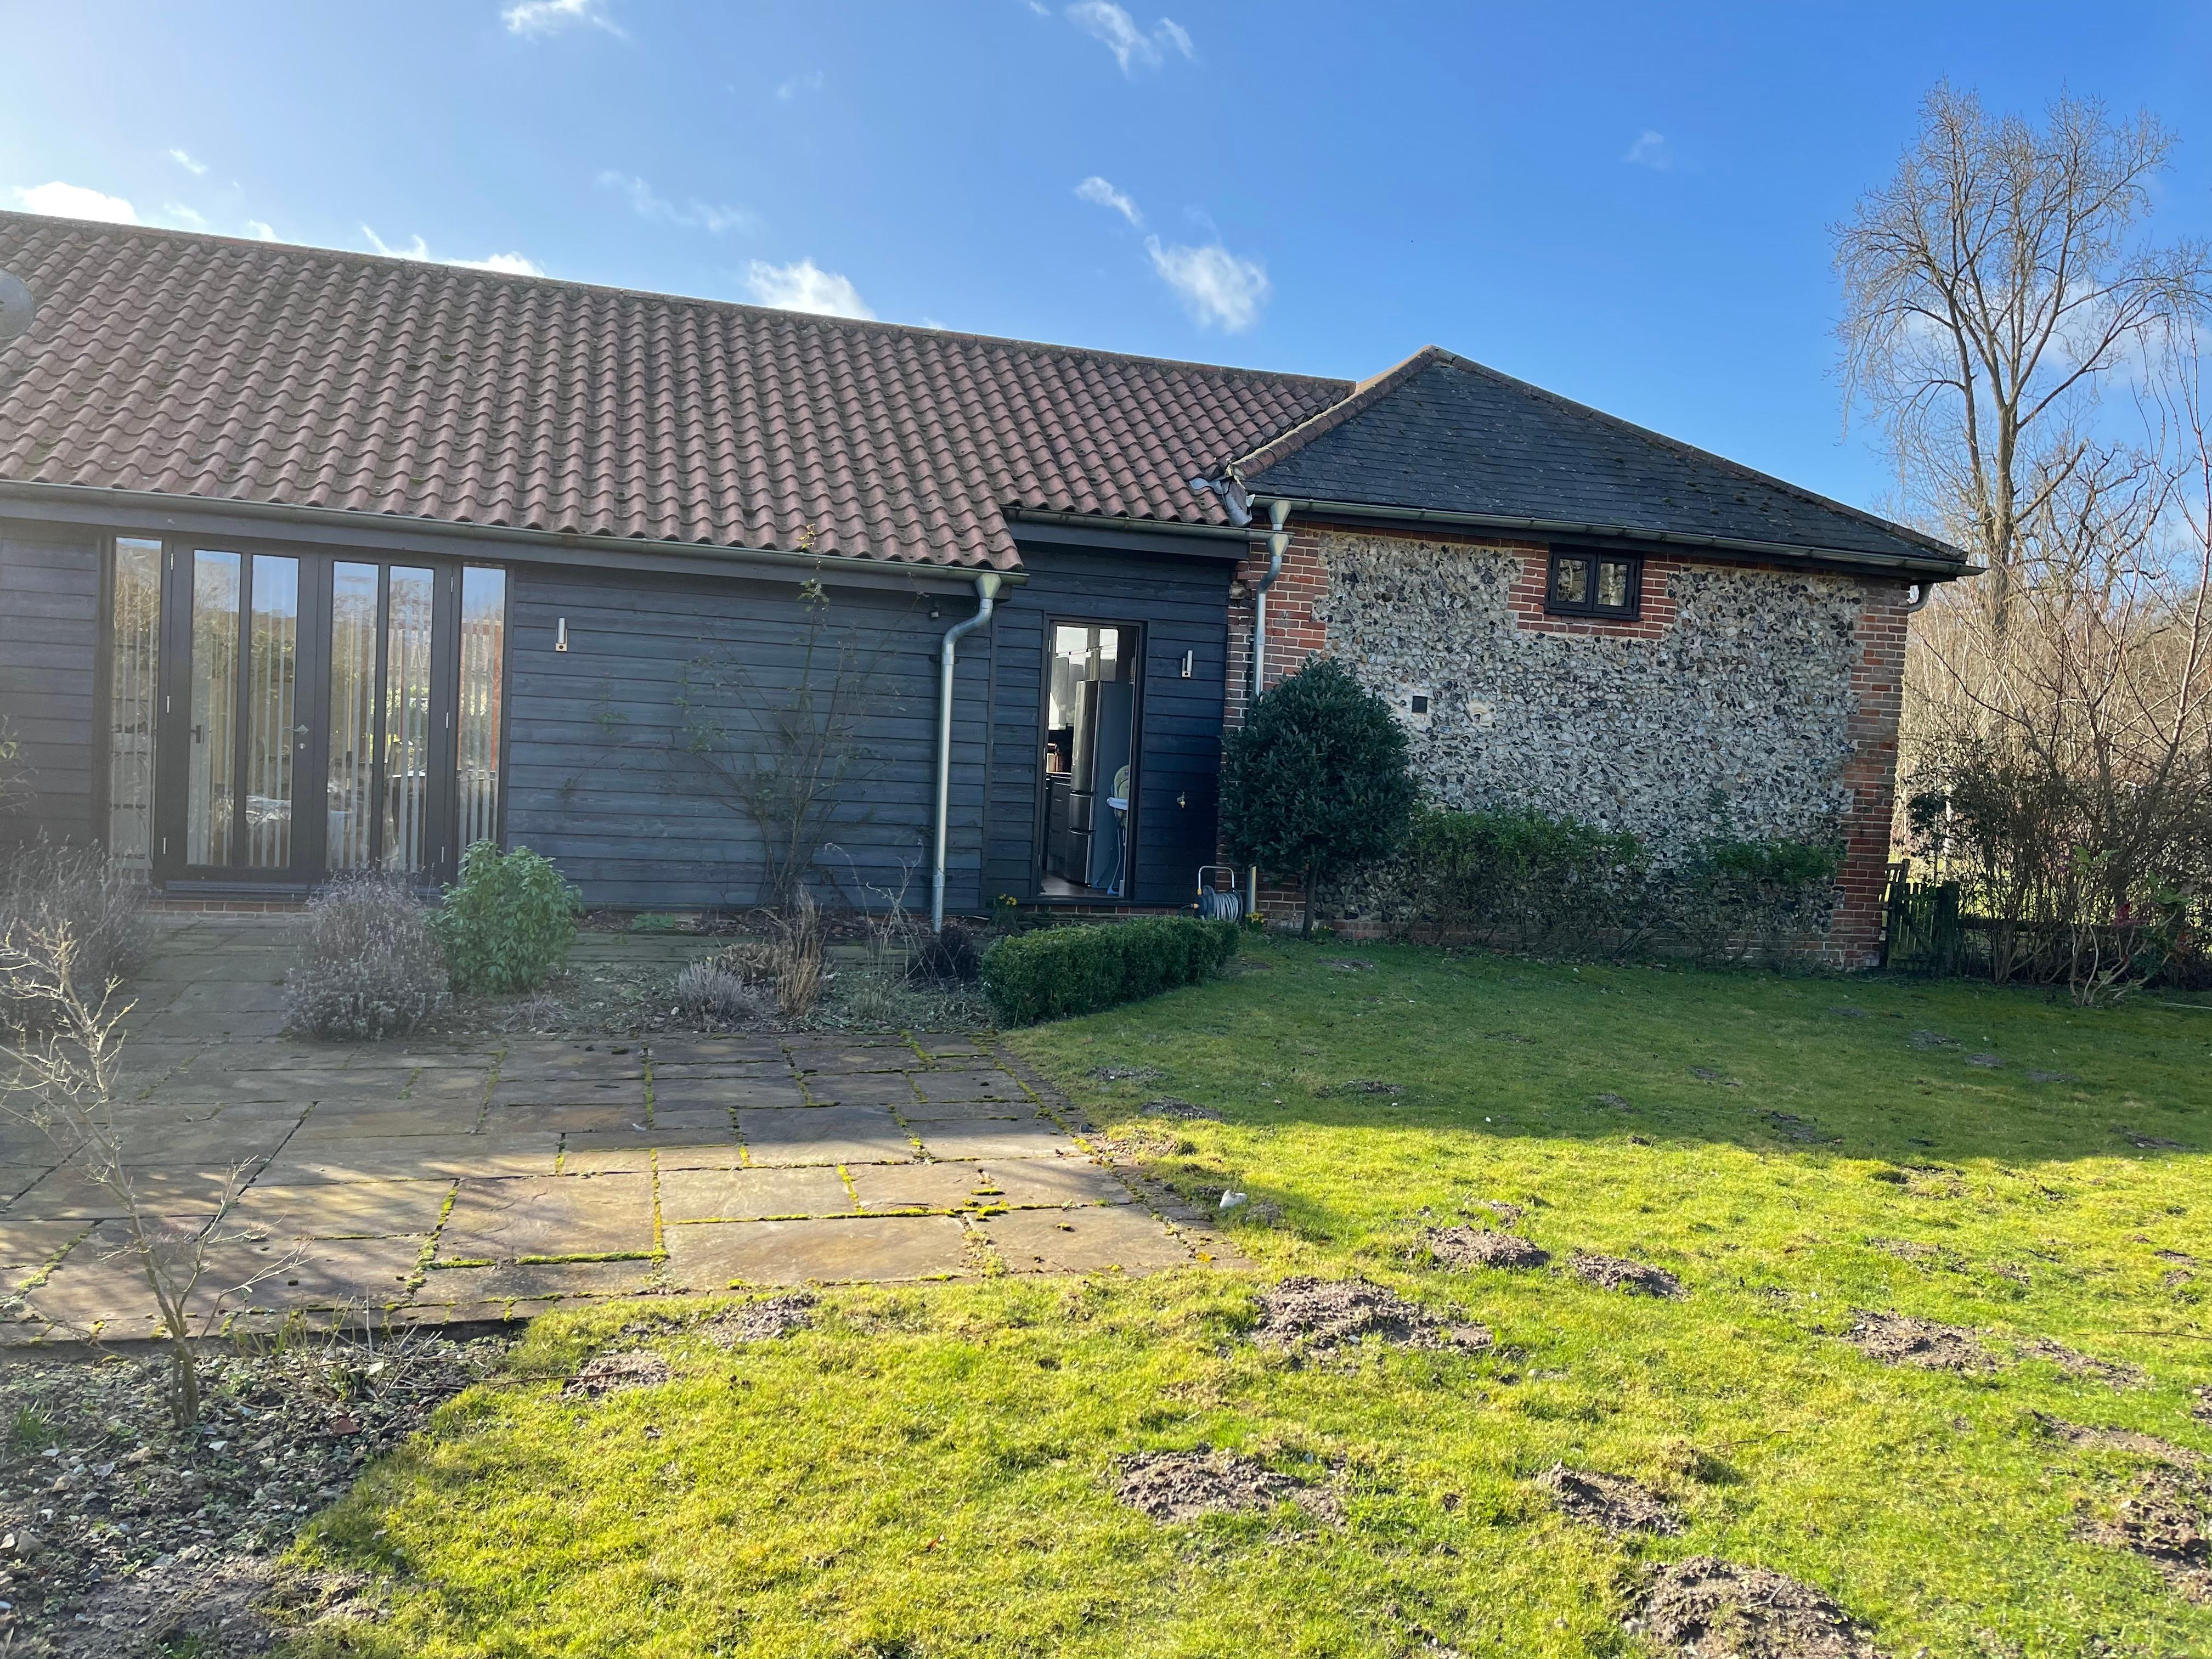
[930,1470]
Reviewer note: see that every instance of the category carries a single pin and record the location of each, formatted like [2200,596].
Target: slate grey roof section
[1439,434]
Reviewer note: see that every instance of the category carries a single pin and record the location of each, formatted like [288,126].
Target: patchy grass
[932,1470]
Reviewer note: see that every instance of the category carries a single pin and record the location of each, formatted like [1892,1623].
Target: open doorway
[1090,762]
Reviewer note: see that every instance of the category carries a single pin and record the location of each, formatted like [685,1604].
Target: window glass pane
[353,714]
[212,764]
[271,665]
[484,637]
[1570,581]
[1612,584]
[406,719]
[133,660]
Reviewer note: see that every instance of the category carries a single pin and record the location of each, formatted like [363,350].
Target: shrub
[710,992]
[1061,971]
[795,953]
[16,773]
[50,886]
[508,925]
[1316,778]
[946,958]
[1519,878]
[1768,897]
[368,965]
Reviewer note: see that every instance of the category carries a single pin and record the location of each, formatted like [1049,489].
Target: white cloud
[805,285]
[1650,150]
[810,82]
[189,218]
[512,264]
[694,215]
[1097,189]
[75,201]
[1215,285]
[261,231]
[550,17]
[196,168]
[1108,24]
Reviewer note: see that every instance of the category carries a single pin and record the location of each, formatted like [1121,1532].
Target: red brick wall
[1295,632]
[1878,689]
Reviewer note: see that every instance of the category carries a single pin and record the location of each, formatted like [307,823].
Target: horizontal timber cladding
[1182,604]
[604,773]
[49,680]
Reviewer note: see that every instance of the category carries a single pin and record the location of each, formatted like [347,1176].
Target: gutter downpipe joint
[1278,542]
[986,596]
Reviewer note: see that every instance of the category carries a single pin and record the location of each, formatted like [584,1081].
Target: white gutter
[986,596]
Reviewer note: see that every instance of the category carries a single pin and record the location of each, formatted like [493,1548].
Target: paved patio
[461,1181]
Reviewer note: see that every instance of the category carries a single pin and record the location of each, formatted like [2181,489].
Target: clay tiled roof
[232,371]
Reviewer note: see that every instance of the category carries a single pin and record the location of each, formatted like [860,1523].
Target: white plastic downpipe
[1278,542]
[986,596]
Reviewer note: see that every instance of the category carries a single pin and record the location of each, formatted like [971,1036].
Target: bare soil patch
[2036,1075]
[1505,1212]
[1349,964]
[1612,1501]
[126,1532]
[1366,1086]
[2164,1520]
[1480,1246]
[1191,1111]
[1719,1610]
[1616,1273]
[761,1321]
[1898,1339]
[1324,1313]
[2145,1143]
[2132,1441]
[610,1373]
[1801,1129]
[2113,1373]
[1184,1485]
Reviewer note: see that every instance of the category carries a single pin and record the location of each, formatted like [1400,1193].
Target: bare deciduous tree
[1992,288]
[66,1063]
[787,759]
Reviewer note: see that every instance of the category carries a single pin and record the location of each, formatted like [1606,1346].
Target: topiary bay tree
[1316,778]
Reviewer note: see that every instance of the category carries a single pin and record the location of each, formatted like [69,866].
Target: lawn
[929,1470]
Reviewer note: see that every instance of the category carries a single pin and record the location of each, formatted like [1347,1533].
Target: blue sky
[1627,203]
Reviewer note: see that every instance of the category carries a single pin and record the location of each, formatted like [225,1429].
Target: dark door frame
[311,707]
[1053,622]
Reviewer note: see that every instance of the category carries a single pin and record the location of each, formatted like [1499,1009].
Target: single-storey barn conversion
[312,561]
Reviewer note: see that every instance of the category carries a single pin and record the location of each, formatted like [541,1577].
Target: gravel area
[117,1532]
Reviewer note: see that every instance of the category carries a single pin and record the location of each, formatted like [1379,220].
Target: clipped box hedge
[1056,972]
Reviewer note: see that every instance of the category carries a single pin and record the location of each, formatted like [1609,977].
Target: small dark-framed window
[1584,582]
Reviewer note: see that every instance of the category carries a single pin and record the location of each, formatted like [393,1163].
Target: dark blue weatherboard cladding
[599,777]
[49,656]
[1181,604]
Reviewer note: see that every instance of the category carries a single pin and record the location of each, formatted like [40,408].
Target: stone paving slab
[426,1181]
[713,1255]
[505,1220]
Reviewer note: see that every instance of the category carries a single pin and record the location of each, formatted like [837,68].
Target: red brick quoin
[1295,633]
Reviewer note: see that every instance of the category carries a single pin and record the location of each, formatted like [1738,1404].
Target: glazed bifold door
[244,737]
[375,686]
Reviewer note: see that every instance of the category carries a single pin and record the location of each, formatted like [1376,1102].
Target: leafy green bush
[1767,896]
[1316,778]
[1522,879]
[508,925]
[1058,972]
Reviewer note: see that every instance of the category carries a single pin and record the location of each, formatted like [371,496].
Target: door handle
[299,730]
